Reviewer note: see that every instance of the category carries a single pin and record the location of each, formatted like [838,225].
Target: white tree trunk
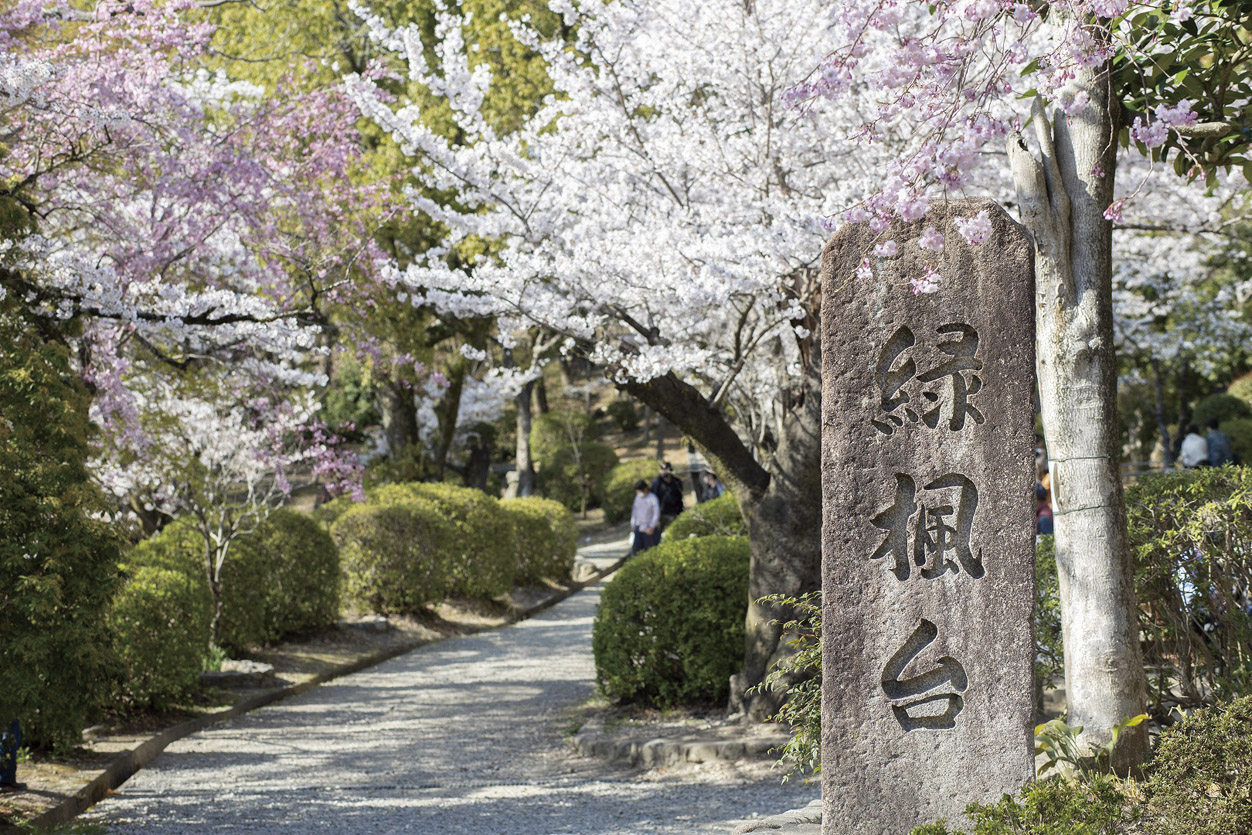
[1063,195]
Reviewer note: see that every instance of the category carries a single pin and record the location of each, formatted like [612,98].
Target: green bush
[281,579]
[160,623]
[58,564]
[670,628]
[1223,407]
[716,517]
[326,513]
[546,538]
[1201,778]
[551,431]
[561,478]
[624,414]
[300,566]
[1240,433]
[1191,531]
[481,564]
[1056,806]
[395,556]
[619,488]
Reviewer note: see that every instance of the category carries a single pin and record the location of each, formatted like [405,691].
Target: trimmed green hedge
[619,488]
[670,628]
[479,559]
[412,544]
[546,538]
[281,579]
[716,517]
[159,623]
[395,556]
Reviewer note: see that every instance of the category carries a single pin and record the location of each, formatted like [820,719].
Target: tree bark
[399,416]
[782,507]
[1062,196]
[541,396]
[524,464]
[448,412]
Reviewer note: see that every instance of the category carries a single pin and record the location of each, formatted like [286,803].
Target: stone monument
[928,532]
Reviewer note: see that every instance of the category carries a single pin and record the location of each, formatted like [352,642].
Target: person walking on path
[1218,445]
[669,492]
[1195,450]
[713,488]
[645,518]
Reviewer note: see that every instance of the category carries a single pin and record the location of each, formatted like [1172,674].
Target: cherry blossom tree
[184,233]
[662,214]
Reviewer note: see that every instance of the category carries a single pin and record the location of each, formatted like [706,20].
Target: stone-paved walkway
[463,736]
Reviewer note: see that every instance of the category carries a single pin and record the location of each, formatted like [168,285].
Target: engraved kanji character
[962,350]
[891,380]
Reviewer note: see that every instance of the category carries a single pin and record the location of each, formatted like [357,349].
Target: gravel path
[463,736]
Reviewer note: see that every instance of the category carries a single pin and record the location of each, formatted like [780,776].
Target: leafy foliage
[716,517]
[160,624]
[58,564]
[1201,781]
[619,488]
[546,538]
[1192,537]
[1048,807]
[670,628]
[1240,433]
[800,675]
[553,431]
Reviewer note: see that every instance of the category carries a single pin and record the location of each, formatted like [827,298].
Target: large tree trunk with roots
[782,506]
[1063,195]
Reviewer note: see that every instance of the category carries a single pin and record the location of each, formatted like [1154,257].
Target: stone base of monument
[729,742]
[806,821]
[238,674]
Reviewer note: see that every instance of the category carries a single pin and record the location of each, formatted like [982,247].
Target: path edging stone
[806,821]
[591,741]
[126,764]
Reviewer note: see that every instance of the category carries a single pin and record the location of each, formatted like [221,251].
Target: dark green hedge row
[412,544]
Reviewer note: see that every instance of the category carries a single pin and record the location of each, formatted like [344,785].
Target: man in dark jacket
[1219,445]
[669,492]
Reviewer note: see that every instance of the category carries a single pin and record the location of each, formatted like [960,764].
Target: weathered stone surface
[928,532]
[239,674]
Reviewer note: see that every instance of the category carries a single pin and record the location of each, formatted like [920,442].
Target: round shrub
[326,513]
[1201,779]
[619,488]
[561,478]
[482,563]
[159,623]
[670,628]
[394,556]
[716,517]
[551,431]
[1222,407]
[300,566]
[546,538]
